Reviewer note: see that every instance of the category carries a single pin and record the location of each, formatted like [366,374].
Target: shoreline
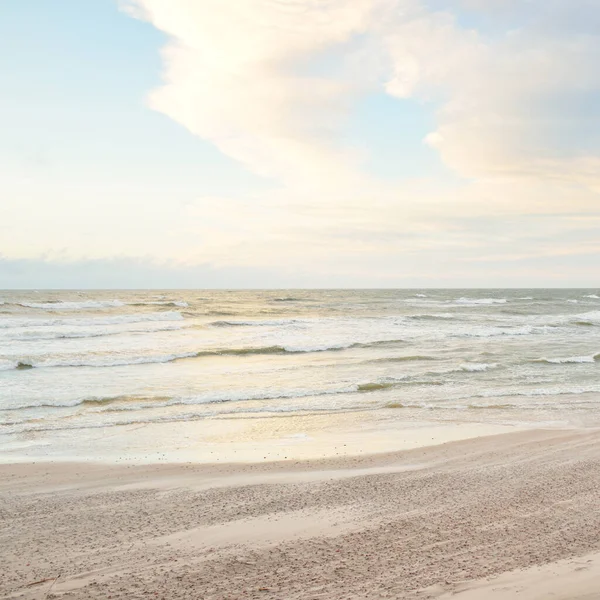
[415,523]
[298,437]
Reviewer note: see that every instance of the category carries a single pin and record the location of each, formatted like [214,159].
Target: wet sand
[486,517]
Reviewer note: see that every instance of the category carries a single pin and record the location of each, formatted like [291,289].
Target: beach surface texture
[505,516]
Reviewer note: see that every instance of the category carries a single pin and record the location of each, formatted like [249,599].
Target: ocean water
[72,361]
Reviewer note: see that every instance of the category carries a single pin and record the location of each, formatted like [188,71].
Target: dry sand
[507,516]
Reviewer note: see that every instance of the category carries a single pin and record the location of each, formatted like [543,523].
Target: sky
[299,143]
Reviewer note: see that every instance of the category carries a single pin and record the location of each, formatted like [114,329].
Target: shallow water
[71,361]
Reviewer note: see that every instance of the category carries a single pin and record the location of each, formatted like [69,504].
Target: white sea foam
[84,305]
[593,296]
[97,304]
[99,361]
[476,367]
[91,321]
[124,403]
[530,393]
[480,301]
[590,316]
[485,332]
[113,360]
[65,333]
[430,316]
[570,360]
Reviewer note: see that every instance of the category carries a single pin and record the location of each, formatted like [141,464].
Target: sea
[75,361]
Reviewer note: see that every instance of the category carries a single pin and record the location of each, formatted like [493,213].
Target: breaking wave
[267,323]
[569,360]
[476,367]
[91,361]
[480,301]
[130,403]
[392,359]
[485,332]
[29,334]
[92,321]
[433,317]
[531,393]
[96,304]
[84,305]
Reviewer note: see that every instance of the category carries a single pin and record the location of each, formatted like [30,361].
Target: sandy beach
[494,517]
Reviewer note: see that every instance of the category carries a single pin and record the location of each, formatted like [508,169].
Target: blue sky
[72,99]
[210,144]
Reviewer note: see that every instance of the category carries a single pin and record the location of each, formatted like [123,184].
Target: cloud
[507,99]
[515,91]
[236,74]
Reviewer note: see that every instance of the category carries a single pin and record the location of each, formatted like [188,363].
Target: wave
[92,321]
[573,301]
[569,360]
[480,301]
[188,417]
[491,406]
[95,304]
[416,357]
[538,392]
[375,386]
[584,319]
[432,317]
[130,361]
[593,297]
[308,322]
[377,343]
[26,364]
[420,295]
[14,365]
[289,299]
[172,303]
[497,331]
[103,362]
[268,323]
[144,402]
[35,335]
[476,367]
[61,305]
[589,318]
[463,368]
[127,403]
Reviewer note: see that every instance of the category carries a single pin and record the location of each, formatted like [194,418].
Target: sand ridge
[411,524]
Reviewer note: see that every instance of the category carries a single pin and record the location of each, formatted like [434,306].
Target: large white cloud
[509,99]
[241,73]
